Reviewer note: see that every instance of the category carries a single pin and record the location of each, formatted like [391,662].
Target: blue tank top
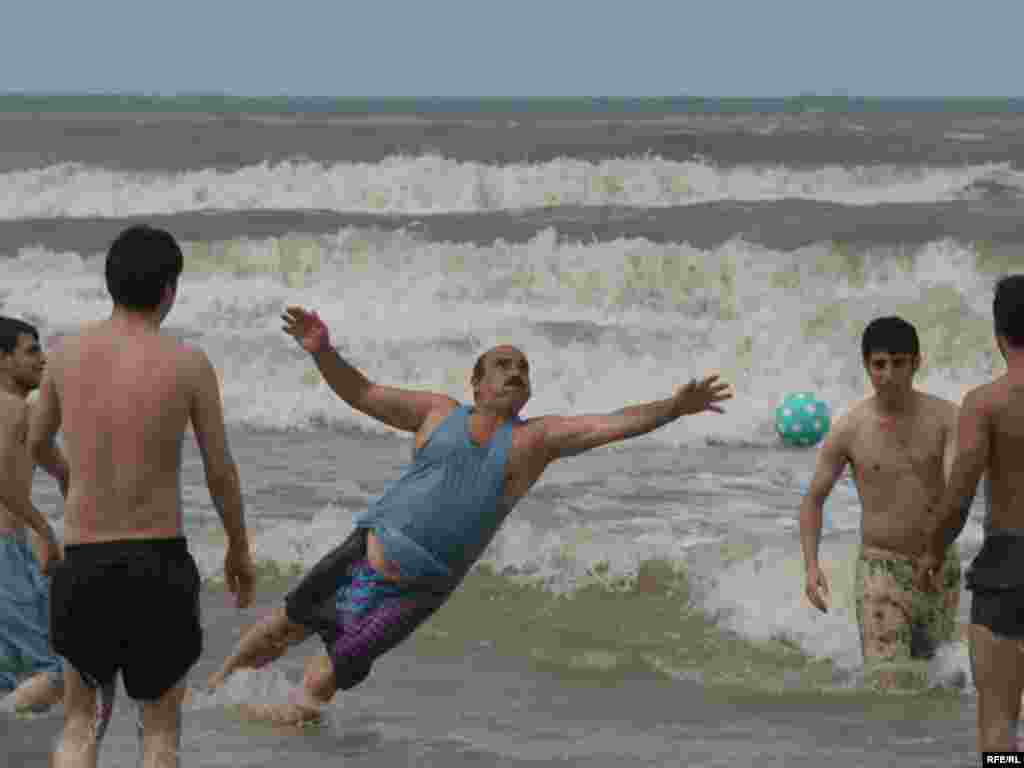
[440,515]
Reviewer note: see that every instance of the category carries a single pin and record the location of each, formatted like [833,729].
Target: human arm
[832,460]
[403,409]
[949,446]
[56,466]
[43,425]
[571,435]
[222,478]
[972,443]
[52,460]
[15,489]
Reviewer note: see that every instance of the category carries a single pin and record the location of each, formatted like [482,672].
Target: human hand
[702,395]
[48,551]
[307,329]
[239,574]
[817,588]
[927,576]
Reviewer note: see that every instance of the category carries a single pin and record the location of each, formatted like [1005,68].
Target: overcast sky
[516,48]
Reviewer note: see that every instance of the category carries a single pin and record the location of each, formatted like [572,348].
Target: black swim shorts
[130,606]
[997,584]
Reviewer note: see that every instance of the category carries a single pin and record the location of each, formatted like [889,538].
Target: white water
[601,322]
[434,184]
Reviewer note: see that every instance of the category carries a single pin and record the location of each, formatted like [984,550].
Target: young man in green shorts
[899,443]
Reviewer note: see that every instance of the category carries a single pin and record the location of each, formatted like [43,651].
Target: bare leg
[38,693]
[882,625]
[159,729]
[265,642]
[84,725]
[318,680]
[997,664]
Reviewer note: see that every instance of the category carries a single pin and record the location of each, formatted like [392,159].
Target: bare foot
[37,694]
[283,714]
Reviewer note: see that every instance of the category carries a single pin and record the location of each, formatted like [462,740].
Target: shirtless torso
[14,410]
[898,468]
[900,459]
[126,397]
[1003,403]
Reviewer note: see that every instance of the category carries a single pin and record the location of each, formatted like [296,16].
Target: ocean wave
[434,184]
[596,319]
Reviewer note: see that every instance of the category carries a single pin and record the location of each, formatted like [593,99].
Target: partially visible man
[899,443]
[126,596]
[25,650]
[991,439]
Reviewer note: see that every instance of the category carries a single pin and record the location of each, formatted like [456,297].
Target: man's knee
[163,712]
[319,679]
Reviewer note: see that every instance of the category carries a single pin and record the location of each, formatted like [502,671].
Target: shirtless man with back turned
[126,595]
[990,438]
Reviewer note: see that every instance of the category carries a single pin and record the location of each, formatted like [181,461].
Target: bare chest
[883,453]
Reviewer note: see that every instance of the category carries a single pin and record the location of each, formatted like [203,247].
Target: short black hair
[1008,309]
[478,368]
[890,334]
[10,329]
[140,263]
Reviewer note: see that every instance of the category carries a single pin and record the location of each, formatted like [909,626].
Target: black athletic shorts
[130,606]
[996,581]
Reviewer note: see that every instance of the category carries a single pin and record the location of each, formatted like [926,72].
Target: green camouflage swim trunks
[899,621]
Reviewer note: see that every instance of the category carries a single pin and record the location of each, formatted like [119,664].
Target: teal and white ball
[801,419]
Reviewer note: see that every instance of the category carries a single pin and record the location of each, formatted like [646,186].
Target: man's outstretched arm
[400,408]
[572,435]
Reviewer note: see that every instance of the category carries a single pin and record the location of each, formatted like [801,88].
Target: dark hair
[1008,309]
[140,263]
[478,369]
[10,330]
[890,334]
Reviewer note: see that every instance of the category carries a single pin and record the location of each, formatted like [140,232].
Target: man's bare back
[990,439]
[126,396]
[1003,403]
[898,468]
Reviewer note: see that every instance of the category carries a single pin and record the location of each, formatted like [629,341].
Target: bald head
[482,361]
[501,374]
